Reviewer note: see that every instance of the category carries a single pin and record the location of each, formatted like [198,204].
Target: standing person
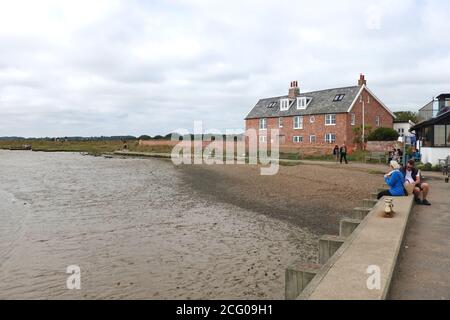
[396,182]
[412,176]
[343,152]
[336,153]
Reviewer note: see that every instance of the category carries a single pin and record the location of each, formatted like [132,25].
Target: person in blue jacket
[396,182]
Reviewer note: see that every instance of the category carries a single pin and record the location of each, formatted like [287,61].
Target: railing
[427,114]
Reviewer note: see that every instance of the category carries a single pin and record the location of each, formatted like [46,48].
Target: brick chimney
[362,80]
[294,90]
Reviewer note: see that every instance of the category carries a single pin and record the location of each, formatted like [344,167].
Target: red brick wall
[343,128]
[372,109]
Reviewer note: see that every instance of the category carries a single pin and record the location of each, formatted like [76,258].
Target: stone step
[298,276]
[328,245]
[360,213]
[374,195]
[347,226]
[369,203]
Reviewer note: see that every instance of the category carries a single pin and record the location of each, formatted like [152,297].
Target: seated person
[412,175]
[395,180]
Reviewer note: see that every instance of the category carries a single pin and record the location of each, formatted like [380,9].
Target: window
[330,138]
[298,122]
[439,135]
[280,122]
[312,119]
[262,139]
[263,124]
[298,139]
[330,119]
[302,103]
[271,104]
[353,121]
[284,104]
[338,97]
[312,138]
[377,121]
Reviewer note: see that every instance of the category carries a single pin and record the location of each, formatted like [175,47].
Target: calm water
[135,230]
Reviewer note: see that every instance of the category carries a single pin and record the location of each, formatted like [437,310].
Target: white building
[403,127]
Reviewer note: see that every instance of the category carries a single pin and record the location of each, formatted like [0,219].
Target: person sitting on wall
[395,180]
[412,176]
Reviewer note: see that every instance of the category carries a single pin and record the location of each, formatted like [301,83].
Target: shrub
[383,134]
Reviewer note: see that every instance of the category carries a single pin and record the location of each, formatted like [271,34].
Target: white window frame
[280,122]
[262,139]
[284,104]
[311,138]
[329,135]
[297,139]
[377,121]
[312,119]
[299,125]
[302,103]
[329,119]
[262,124]
[353,119]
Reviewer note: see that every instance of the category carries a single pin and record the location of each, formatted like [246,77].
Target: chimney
[294,90]
[362,81]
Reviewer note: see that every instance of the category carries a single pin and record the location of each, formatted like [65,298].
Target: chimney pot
[362,80]
[294,90]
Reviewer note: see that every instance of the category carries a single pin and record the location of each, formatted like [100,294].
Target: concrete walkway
[424,269]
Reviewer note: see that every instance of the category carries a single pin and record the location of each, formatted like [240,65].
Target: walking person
[336,153]
[343,153]
[396,182]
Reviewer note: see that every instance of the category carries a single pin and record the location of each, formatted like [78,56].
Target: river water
[136,230]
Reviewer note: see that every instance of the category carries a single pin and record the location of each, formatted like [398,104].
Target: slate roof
[321,103]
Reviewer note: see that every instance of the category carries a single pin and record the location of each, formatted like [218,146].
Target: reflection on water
[135,230]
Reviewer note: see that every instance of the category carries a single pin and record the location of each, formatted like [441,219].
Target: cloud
[134,67]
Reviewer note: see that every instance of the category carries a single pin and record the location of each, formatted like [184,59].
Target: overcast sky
[111,67]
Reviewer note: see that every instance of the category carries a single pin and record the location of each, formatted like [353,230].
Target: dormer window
[302,103]
[272,104]
[284,104]
[338,97]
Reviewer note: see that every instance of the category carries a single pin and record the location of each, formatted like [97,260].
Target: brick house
[316,121]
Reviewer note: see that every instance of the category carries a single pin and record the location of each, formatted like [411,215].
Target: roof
[321,103]
[432,121]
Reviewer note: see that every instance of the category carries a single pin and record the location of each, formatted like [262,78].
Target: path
[424,268]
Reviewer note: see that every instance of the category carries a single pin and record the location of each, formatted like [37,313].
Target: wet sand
[308,196]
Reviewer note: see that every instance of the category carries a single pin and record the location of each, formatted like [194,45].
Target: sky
[112,67]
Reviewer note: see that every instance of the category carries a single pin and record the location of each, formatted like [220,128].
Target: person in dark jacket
[412,175]
[336,153]
[343,153]
[395,180]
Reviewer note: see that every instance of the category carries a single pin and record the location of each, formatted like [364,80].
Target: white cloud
[133,67]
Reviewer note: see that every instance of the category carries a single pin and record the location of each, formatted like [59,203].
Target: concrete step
[374,195]
[347,226]
[382,189]
[328,245]
[298,276]
[369,203]
[360,213]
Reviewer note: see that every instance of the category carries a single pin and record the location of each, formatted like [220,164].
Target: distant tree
[383,134]
[358,134]
[406,116]
[145,137]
